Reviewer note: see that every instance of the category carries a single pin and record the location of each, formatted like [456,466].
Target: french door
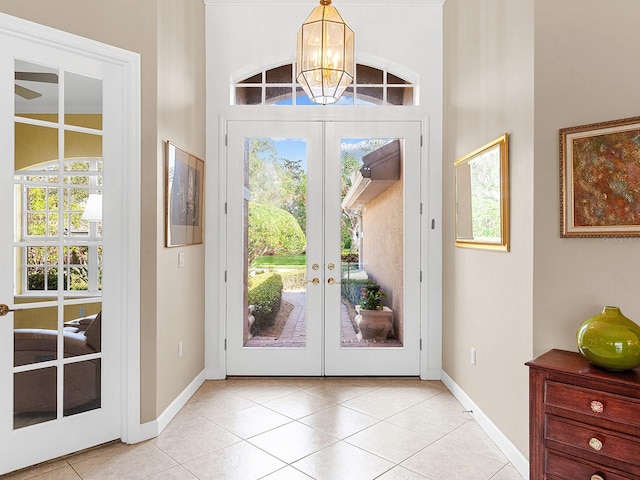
[323,248]
[61,312]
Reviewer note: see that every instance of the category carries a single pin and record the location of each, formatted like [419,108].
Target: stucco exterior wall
[383,249]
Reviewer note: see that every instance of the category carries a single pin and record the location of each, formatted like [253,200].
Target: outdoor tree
[276,181]
[273,231]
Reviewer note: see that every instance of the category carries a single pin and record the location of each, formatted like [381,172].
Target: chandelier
[325,55]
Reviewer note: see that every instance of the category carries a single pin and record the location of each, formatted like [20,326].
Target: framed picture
[600,179]
[184,197]
[482,197]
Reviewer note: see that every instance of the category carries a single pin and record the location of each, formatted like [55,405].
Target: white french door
[62,121]
[317,212]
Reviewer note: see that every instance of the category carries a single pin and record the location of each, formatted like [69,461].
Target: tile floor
[302,428]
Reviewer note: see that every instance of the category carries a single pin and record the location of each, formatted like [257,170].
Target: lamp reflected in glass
[93,209]
[325,59]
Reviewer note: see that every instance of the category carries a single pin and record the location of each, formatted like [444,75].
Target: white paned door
[61,279]
[323,248]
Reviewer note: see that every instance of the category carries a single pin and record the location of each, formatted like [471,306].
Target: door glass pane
[36,91]
[34,397]
[275,208]
[82,101]
[82,386]
[82,329]
[372,242]
[35,334]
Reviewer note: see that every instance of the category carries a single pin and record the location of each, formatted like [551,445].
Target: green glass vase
[610,340]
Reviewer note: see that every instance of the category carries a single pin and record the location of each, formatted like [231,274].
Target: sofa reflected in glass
[35,391]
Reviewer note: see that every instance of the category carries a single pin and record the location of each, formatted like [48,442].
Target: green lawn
[280,261]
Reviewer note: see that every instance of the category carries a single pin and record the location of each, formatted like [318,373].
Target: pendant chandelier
[325,54]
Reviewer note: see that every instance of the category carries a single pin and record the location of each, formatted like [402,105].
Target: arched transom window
[277,86]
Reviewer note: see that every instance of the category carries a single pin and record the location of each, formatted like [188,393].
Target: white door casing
[118,416]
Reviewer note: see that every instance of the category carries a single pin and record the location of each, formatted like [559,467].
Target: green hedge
[265,292]
[351,289]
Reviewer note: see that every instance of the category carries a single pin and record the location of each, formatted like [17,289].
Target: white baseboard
[155,427]
[515,456]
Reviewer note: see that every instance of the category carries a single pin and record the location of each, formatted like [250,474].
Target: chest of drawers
[584,422]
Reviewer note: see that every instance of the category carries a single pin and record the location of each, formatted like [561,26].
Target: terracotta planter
[374,324]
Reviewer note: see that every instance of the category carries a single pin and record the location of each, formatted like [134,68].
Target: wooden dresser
[584,422]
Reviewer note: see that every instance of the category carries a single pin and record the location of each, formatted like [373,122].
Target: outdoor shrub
[265,292]
[349,257]
[273,231]
[294,279]
[351,289]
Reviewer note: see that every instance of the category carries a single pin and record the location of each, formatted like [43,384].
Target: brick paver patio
[294,334]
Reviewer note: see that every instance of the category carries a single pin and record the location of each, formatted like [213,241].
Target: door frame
[430,222]
[124,208]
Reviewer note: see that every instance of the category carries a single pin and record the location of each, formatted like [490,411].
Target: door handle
[315,281]
[331,281]
[4,309]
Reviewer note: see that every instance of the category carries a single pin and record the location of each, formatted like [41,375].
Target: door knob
[331,281]
[315,281]
[4,309]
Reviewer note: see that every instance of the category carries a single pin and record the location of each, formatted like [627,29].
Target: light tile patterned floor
[301,429]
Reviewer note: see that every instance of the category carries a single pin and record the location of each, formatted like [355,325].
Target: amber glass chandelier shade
[325,62]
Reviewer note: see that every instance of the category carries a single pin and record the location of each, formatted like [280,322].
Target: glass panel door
[59,364]
[320,232]
[275,257]
[372,232]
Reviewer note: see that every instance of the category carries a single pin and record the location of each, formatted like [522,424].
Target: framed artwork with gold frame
[184,197]
[482,197]
[600,179]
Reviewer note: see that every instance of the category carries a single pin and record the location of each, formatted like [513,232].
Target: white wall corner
[155,427]
[515,456]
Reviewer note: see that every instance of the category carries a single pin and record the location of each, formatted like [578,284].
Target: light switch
[180,259]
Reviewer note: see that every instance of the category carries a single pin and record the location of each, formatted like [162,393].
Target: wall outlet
[82,312]
[180,349]
[473,356]
[180,259]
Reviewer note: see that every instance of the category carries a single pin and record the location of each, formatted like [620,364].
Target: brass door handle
[4,309]
[331,281]
[315,281]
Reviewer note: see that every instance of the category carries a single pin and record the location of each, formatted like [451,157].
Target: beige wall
[521,304]
[487,295]
[181,119]
[587,70]
[169,36]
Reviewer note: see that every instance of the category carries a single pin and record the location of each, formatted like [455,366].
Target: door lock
[4,309]
[331,266]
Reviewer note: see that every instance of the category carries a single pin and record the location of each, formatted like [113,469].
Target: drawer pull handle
[597,477]
[597,407]
[595,444]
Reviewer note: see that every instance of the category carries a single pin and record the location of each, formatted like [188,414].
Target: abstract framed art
[184,197]
[600,179]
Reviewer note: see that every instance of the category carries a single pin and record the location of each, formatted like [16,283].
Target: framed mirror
[482,197]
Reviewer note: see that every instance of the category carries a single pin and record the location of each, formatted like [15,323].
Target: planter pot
[610,340]
[374,324]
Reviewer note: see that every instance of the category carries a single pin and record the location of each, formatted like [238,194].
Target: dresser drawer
[561,467]
[593,403]
[598,444]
